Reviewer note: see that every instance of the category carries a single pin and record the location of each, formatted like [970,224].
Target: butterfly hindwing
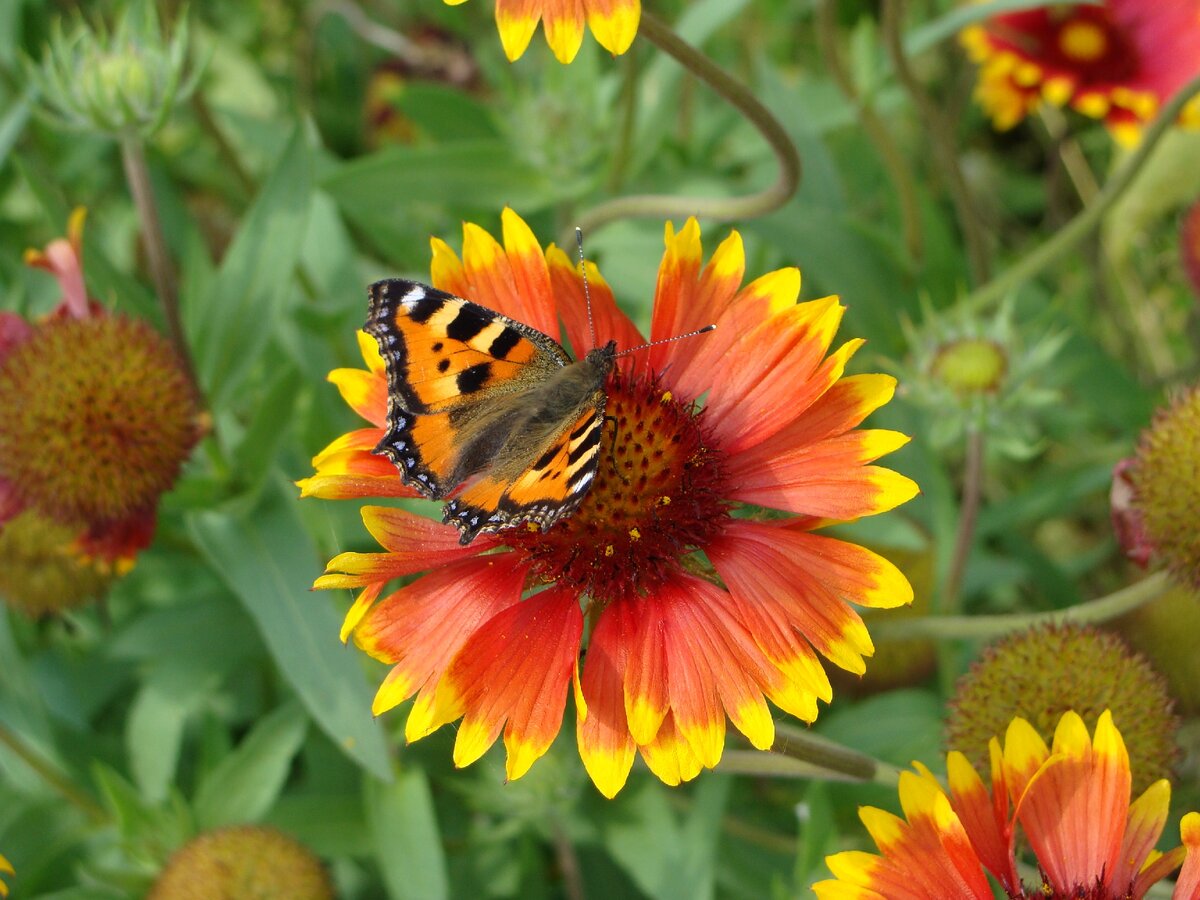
[552,487]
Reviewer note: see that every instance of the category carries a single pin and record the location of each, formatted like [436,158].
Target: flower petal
[517,20]
[670,756]
[614,23]
[605,744]
[1147,817]
[607,320]
[987,823]
[515,668]
[1188,882]
[645,684]
[771,567]
[364,392]
[421,626]
[563,21]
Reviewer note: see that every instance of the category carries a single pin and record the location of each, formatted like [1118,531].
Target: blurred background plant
[249,168]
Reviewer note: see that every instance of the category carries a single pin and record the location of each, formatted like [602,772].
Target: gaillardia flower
[1071,802]
[1119,61]
[5,869]
[613,22]
[98,412]
[697,607]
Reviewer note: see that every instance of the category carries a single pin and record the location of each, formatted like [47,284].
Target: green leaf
[404,830]
[268,561]
[12,124]
[228,325]
[154,736]
[246,783]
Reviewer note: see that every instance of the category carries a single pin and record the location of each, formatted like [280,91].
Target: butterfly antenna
[587,296]
[679,337]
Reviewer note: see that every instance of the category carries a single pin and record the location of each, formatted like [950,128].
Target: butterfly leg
[612,449]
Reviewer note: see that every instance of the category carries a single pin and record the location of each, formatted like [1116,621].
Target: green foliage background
[211,687]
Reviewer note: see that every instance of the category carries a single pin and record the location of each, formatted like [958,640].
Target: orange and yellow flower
[698,609]
[1071,801]
[614,24]
[1119,61]
[5,869]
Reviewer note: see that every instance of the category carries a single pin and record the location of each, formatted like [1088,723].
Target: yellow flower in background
[5,869]
[1071,801]
[613,23]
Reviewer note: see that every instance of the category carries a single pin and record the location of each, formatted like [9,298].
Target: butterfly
[484,410]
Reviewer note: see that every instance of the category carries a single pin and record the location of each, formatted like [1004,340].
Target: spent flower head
[700,607]
[244,862]
[1070,801]
[122,82]
[1156,493]
[1041,673]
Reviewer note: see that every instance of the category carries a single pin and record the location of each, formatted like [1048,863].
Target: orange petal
[446,270]
[607,320]
[645,684]
[669,756]
[1188,883]
[605,744]
[364,392]
[676,289]
[353,487]
[517,20]
[534,295]
[614,23]
[420,627]
[563,21]
[1147,817]
[987,825]
[515,668]
[771,566]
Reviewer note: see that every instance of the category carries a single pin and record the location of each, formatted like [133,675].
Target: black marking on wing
[469,322]
[474,378]
[504,343]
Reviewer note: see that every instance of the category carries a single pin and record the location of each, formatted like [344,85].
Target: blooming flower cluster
[699,607]
[1072,803]
[613,22]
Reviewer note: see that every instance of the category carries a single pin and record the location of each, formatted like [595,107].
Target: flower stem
[876,131]
[1101,609]
[968,512]
[1088,218]
[137,174]
[942,143]
[658,33]
[48,773]
[801,754]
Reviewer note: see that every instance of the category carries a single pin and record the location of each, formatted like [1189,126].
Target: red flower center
[1082,40]
[656,498]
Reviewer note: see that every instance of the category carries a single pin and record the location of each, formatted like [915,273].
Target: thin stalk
[968,513]
[568,862]
[1088,218]
[876,131]
[1102,609]
[820,758]
[942,143]
[137,174]
[54,778]
[666,206]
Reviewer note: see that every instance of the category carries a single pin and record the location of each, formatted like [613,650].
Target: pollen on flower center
[656,497]
[1082,41]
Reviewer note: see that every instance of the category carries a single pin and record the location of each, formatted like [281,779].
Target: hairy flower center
[657,496]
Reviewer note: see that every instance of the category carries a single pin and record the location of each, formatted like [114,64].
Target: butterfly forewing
[476,397]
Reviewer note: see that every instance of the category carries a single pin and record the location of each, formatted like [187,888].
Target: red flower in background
[1119,61]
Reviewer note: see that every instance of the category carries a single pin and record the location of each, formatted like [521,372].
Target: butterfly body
[484,410]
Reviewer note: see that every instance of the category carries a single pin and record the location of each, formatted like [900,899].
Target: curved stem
[968,512]
[667,206]
[941,137]
[52,776]
[1089,217]
[137,174]
[1101,609]
[875,130]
